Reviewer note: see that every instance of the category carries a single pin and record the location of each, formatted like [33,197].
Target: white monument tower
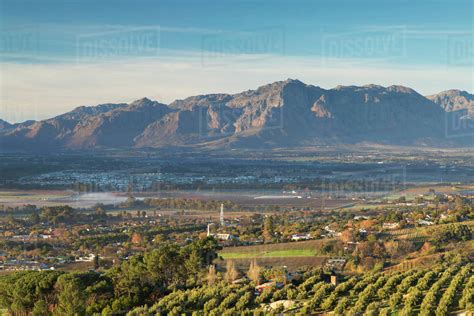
[222,215]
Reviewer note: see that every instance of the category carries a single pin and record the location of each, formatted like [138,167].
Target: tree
[254,272]
[211,275]
[193,265]
[21,290]
[467,298]
[96,262]
[268,229]
[448,296]
[419,199]
[166,265]
[395,300]
[348,235]
[231,273]
[137,238]
[40,309]
[244,301]
[453,232]
[34,218]
[368,224]
[342,306]
[71,299]
[100,212]
[372,309]
[459,203]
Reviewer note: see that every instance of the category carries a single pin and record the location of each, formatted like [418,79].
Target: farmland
[269,254]
[357,239]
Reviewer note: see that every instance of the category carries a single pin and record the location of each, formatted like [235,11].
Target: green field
[308,248]
[269,254]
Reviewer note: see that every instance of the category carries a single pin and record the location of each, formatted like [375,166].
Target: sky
[57,55]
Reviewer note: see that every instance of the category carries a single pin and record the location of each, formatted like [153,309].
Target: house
[89,258]
[358,217]
[298,237]
[331,231]
[261,287]
[425,222]
[336,263]
[225,237]
[389,225]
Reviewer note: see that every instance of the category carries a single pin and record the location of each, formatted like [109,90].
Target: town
[421,229]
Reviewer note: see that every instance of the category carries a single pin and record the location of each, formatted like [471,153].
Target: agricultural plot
[437,291]
[308,245]
[269,254]
[290,255]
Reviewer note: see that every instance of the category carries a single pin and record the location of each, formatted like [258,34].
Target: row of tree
[172,280]
[140,280]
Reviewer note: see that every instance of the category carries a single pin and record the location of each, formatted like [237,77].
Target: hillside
[281,114]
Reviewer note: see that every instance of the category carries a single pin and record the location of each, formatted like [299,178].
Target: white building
[298,237]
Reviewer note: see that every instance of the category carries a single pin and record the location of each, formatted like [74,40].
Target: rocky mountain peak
[454,100]
[143,102]
[282,113]
[5,124]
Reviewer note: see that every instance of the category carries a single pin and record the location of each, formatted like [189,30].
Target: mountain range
[281,114]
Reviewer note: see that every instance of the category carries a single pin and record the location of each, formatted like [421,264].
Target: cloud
[38,91]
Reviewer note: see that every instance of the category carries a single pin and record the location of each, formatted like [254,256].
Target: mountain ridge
[453,100]
[279,114]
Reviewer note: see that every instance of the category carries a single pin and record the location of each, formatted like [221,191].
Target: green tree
[96,262]
[34,218]
[21,290]
[268,229]
[40,309]
[71,298]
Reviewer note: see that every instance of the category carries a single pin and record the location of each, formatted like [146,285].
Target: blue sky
[56,55]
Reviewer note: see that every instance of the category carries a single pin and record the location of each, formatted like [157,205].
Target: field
[291,255]
[309,245]
[270,254]
[440,290]
[413,192]
[247,199]
[419,232]
[37,197]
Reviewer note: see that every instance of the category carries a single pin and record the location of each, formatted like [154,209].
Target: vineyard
[437,291]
